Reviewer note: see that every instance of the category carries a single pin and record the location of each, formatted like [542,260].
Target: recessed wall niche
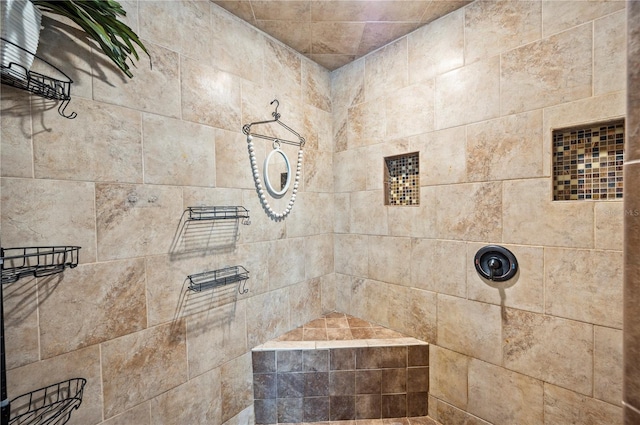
[402,179]
[587,162]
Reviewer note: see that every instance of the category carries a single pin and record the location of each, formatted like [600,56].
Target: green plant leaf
[99,20]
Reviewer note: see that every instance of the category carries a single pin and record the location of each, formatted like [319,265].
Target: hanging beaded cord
[258,182]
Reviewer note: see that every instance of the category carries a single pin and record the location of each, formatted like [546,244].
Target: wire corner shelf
[51,405]
[219,213]
[16,75]
[218,278]
[36,261]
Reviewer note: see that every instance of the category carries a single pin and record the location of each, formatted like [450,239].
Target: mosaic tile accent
[402,179]
[587,162]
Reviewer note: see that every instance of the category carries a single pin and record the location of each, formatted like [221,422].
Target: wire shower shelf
[18,76]
[219,213]
[217,278]
[37,261]
[51,405]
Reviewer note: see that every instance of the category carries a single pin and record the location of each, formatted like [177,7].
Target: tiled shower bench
[341,368]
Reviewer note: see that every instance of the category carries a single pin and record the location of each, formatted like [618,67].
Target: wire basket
[37,261]
[219,213]
[50,405]
[221,277]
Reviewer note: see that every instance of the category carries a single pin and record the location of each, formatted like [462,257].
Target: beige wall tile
[436,48]
[328,293]
[349,172]
[566,407]
[305,302]
[103,143]
[388,257]
[312,214]
[607,365]
[594,298]
[503,397]
[110,298]
[496,27]
[83,363]
[210,96]
[21,332]
[178,152]
[609,225]
[316,85]
[142,365]
[469,212]
[38,213]
[342,205]
[560,15]
[237,386]
[410,110]
[343,292]
[550,349]
[352,254]
[424,225]
[319,256]
[525,291]
[609,55]
[165,28]
[253,257]
[373,158]
[155,90]
[367,124]
[385,70]
[427,258]
[548,72]
[589,110]
[347,85]
[422,315]
[530,217]
[448,374]
[262,227]
[267,316]
[216,335]
[15,130]
[134,220]
[201,394]
[283,67]
[237,48]
[442,156]
[468,94]
[316,174]
[451,415]
[470,327]
[168,296]
[284,267]
[232,165]
[633,81]
[505,148]
[141,414]
[246,416]
[401,220]
[368,214]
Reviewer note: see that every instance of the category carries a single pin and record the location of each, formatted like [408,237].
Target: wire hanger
[246,129]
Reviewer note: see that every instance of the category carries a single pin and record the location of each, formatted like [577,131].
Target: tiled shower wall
[632,225]
[116,181]
[477,94]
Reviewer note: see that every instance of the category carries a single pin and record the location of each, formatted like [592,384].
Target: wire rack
[37,261]
[220,277]
[18,76]
[219,213]
[50,405]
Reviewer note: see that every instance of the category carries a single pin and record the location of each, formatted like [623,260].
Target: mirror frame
[267,182]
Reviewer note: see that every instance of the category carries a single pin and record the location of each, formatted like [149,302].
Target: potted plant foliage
[99,19]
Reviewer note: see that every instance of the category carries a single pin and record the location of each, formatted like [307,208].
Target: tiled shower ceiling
[336,32]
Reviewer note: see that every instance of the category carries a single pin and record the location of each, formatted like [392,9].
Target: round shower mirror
[277,172]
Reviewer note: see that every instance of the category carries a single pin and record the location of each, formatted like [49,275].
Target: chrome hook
[275,114]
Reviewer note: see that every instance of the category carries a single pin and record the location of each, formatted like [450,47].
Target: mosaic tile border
[587,162]
[402,179]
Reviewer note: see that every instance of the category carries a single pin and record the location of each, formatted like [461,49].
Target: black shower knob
[495,263]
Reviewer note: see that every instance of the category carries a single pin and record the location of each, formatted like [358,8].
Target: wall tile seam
[580,24]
